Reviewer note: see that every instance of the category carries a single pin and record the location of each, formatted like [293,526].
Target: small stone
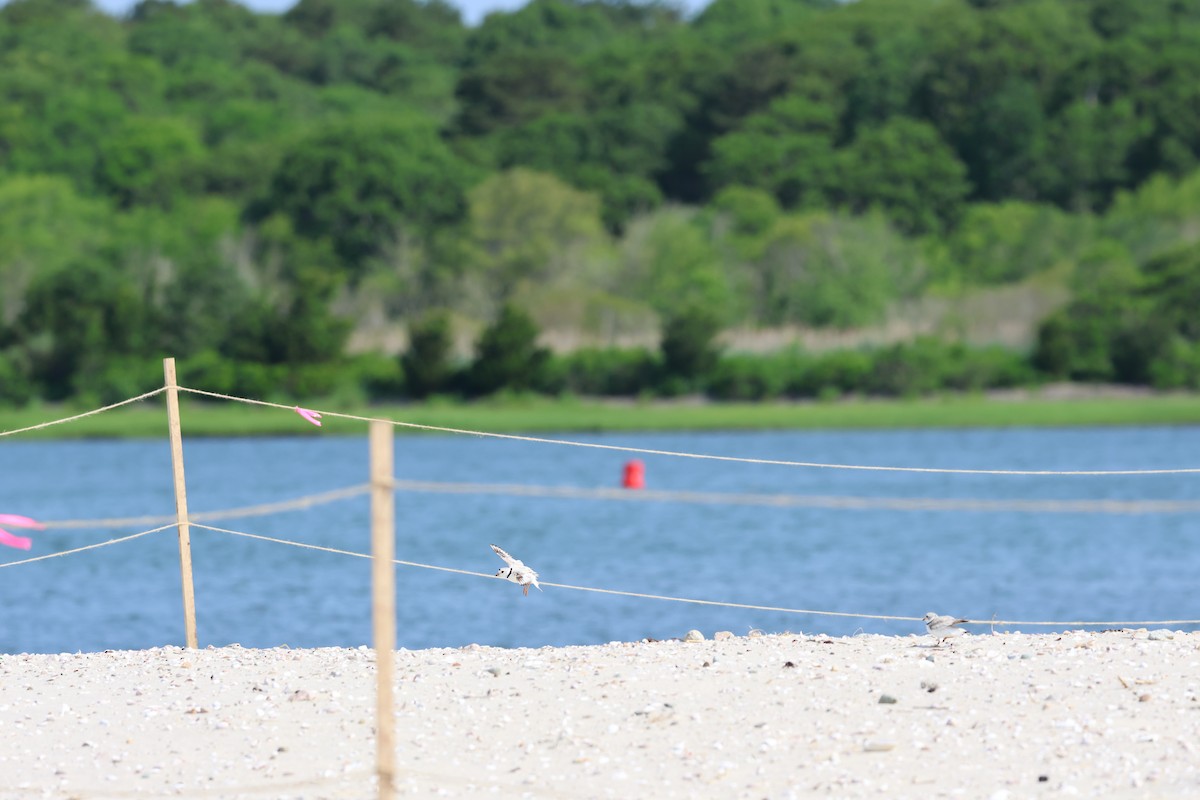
[721,636]
[1043,778]
[789,664]
[1160,635]
[754,633]
[495,671]
[929,686]
[1143,698]
[694,636]
[887,699]
[878,747]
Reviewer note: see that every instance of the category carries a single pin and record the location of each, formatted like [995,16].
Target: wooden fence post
[383,600]
[181,511]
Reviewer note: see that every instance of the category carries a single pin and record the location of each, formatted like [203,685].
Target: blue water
[1013,565]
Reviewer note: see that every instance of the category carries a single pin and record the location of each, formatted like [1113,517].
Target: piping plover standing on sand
[516,571]
[943,628]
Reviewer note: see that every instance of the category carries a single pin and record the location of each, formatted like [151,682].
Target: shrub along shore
[689,383]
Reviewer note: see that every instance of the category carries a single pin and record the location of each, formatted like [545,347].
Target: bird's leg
[526,588]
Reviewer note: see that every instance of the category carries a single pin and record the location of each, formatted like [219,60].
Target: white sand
[1090,714]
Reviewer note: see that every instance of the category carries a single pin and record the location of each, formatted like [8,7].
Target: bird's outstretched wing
[512,562]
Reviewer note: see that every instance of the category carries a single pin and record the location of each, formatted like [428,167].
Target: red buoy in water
[635,475]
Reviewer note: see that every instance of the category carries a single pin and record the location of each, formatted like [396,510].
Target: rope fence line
[610,447]
[91,413]
[263,509]
[615,592]
[316,499]
[701,456]
[642,495]
[806,501]
[95,546]
[693,601]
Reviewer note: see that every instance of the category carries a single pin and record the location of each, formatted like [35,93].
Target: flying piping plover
[943,627]
[516,571]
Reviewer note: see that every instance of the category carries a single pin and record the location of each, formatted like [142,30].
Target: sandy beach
[1113,714]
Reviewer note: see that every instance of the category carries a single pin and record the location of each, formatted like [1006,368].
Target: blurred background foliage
[795,198]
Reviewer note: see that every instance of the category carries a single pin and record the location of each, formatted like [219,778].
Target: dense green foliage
[427,362]
[1131,326]
[246,191]
[507,356]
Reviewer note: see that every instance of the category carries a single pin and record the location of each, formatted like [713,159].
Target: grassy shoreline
[542,415]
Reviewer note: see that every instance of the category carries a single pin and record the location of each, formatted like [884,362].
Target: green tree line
[248,192]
